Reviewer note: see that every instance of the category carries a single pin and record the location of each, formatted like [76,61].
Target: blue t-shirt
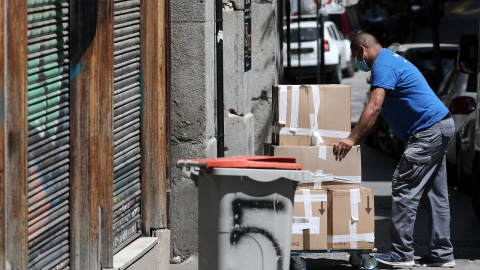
[409,104]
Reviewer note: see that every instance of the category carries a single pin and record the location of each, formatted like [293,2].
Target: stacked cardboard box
[310,115]
[333,211]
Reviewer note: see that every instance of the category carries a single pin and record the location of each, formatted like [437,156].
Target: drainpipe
[220,115]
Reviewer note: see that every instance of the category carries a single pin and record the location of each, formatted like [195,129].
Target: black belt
[449,115]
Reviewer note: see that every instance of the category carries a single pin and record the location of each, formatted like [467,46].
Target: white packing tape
[316,102]
[322,152]
[308,221]
[312,121]
[282,105]
[348,179]
[294,107]
[313,198]
[360,237]
[309,132]
[307,202]
[333,133]
[297,132]
[319,176]
[316,138]
[354,201]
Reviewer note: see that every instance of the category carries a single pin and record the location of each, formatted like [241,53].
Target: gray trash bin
[245,207]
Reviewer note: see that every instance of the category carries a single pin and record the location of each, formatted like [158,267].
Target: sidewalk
[189,264]
[336,261]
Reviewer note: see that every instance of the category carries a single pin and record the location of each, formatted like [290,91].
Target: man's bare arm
[365,125]
[370,116]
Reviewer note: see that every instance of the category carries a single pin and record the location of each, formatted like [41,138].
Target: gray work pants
[421,177]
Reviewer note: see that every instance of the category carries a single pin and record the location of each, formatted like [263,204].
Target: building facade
[84,133]
[99,100]
[247,93]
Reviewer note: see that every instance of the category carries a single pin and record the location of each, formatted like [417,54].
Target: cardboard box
[321,159]
[351,219]
[309,227]
[302,111]
[327,185]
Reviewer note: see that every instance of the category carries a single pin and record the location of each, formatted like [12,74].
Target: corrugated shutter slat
[127,105]
[48,134]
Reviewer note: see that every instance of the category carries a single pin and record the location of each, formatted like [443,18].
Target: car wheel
[350,70]
[336,77]
[384,138]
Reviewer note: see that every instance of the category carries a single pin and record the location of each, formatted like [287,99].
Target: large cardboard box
[304,113]
[351,219]
[330,172]
[309,227]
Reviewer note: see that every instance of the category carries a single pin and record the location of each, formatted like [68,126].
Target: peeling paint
[2,107]
[76,70]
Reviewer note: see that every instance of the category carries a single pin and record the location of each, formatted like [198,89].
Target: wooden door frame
[92,127]
[14,134]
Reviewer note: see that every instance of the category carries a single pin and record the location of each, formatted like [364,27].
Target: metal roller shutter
[48,135]
[127,102]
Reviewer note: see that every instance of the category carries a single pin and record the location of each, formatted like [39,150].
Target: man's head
[365,48]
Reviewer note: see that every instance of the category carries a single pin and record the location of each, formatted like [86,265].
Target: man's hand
[341,148]
[369,117]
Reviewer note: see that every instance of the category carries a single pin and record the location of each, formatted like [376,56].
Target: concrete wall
[247,96]
[192,111]
[265,67]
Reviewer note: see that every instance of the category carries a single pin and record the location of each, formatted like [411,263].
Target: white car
[458,92]
[338,57]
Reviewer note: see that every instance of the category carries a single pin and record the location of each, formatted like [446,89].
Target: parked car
[468,131]
[303,53]
[421,55]
[458,92]
[468,159]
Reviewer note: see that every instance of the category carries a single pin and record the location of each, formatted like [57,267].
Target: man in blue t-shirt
[400,93]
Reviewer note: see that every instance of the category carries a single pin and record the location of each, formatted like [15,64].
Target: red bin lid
[252,162]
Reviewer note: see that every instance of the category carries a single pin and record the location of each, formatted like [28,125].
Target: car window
[306,34]
[330,31]
[335,18]
[449,80]
[338,32]
[471,84]
[423,59]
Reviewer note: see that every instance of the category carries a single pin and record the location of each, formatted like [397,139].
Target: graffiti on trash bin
[238,231]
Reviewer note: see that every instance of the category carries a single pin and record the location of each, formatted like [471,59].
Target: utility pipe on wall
[220,115]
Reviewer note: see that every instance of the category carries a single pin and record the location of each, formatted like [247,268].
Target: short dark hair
[364,39]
